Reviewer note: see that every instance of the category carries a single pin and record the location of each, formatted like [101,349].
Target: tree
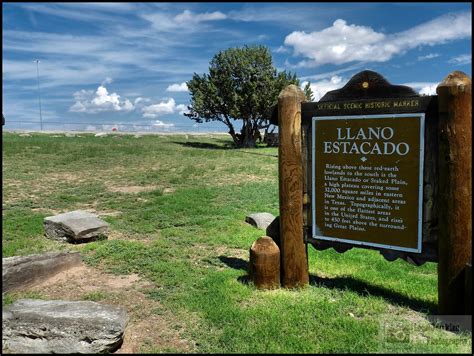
[242,85]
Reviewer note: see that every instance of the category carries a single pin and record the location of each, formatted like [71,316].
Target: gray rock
[24,271]
[57,326]
[260,220]
[100,134]
[75,226]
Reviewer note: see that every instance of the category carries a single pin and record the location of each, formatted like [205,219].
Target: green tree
[242,85]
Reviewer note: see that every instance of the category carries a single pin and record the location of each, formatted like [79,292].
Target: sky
[125,65]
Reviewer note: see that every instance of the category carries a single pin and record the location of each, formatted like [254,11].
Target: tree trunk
[247,135]
[235,136]
[248,142]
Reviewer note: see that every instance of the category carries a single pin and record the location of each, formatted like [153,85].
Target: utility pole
[39,92]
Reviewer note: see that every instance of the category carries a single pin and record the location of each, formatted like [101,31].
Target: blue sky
[127,63]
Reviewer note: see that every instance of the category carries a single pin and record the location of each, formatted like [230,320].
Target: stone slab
[19,272]
[75,226]
[260,220]
[57,326]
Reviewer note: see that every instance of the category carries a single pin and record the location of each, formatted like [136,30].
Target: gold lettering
[406,103]
[352,105]
[377,105]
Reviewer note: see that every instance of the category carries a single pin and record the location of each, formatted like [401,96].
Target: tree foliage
[242,85]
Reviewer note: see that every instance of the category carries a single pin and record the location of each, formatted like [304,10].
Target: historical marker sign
[368,180]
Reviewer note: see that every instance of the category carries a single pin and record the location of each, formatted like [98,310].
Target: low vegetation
[176,207]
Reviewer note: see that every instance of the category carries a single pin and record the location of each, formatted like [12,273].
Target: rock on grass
[23,271]
[75,226]
[57,326]
[260,220]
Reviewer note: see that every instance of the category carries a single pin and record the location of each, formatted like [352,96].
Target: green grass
[185,229]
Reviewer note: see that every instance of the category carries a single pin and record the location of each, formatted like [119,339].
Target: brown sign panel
[368,180]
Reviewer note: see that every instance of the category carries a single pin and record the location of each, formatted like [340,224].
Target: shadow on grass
[234,262]
[225,145]
[238,264]
[221,145]
[347,283]
[365,289]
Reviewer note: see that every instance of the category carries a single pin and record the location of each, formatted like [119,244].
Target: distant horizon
[127,64]
[74,132]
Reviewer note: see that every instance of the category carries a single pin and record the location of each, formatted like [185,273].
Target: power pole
[39,92]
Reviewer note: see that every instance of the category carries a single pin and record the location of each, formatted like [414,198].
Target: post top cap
[292,91]
[455,78]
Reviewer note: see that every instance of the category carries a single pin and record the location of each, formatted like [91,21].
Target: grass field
[176,207]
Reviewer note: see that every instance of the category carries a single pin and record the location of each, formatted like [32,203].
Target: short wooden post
[294,261]
[265,263]
[455,192]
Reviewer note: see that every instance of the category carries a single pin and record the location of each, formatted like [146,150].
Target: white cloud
[281,49]
[163,108]
[321,87]
[106,81]
[343,43]
[161,124]
[186,20]
[428,56]
[423,88]
[182,109]
[177,87]
[428,90]
[90,102]
[187,16]
[462,59]
[338,44]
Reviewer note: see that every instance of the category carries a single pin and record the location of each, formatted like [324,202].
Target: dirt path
[151,327]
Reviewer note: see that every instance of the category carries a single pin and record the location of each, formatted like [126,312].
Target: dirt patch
[66,177]
[117,235]
[151,326]
[74,282]
[47,211]
[103,212]
[236,179]
[132,189]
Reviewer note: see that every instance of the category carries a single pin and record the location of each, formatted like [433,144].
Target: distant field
[176,206]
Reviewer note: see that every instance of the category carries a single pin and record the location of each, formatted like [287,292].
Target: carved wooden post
[455,192]
[265,263]
[294,261]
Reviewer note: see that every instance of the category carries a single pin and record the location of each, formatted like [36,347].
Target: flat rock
[260,220]
[101,134]
[57,326]
[75,226]
[24,271]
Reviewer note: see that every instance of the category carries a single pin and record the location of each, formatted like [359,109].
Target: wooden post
[265,263]
[294,260]
[455,192]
